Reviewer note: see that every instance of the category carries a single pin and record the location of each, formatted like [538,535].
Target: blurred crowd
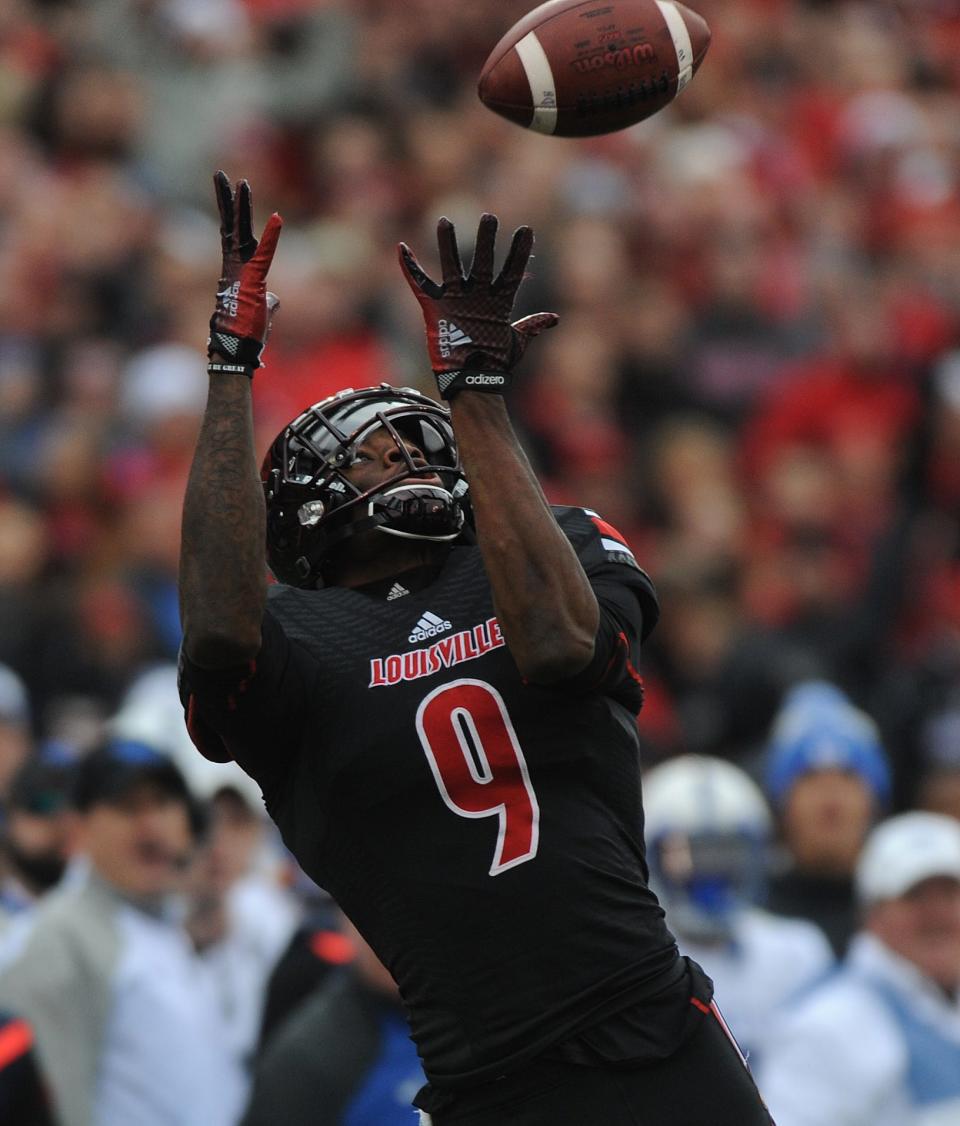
[756,377]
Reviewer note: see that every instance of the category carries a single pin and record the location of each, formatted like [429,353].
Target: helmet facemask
[708,830]
[313,505]
[705,879]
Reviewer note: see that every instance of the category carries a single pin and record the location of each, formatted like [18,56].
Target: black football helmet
[311,503]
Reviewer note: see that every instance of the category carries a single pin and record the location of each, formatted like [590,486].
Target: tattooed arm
[222,569]
[222,566]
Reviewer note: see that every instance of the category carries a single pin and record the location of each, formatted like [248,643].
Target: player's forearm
[545,605]
[222,567]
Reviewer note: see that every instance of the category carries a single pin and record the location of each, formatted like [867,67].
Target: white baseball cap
[903,851]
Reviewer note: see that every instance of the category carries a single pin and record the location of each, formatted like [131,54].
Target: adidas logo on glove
[228,297]
[450,337]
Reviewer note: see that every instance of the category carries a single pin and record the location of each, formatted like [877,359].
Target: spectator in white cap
[828,780]
[878,1044]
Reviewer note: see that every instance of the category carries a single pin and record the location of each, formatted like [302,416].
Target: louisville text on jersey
[466,645]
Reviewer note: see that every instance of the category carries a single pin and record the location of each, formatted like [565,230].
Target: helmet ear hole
[310,495]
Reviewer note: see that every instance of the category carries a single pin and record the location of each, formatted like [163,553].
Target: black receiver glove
[472,344]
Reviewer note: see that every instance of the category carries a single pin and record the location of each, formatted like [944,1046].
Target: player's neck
[391,557]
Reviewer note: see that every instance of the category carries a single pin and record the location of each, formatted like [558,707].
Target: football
[578,68]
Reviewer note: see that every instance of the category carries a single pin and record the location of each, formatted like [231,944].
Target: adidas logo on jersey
[450,337]
[396,591]
[429,626]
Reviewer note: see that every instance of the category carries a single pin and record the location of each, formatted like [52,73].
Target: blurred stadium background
[756,374]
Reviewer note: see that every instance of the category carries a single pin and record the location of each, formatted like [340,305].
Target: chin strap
[305,567]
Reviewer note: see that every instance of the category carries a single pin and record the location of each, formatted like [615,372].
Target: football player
[438,700]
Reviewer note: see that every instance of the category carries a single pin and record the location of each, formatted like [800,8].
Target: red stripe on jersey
[726,1028]
[242,686]
[621,640]
[630,669]
[193,727]
[15,1040]
[213,752]
[608,530]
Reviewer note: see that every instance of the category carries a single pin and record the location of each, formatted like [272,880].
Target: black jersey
[484,834]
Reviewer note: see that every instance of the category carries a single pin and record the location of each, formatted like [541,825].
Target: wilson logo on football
[429,626]
[618,57]
[450,337]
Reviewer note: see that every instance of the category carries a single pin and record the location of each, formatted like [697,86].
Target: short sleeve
[605,555]
[628,607]
[253,714]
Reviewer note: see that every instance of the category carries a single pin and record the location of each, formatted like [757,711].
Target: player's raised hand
[472,343]
[240,324]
